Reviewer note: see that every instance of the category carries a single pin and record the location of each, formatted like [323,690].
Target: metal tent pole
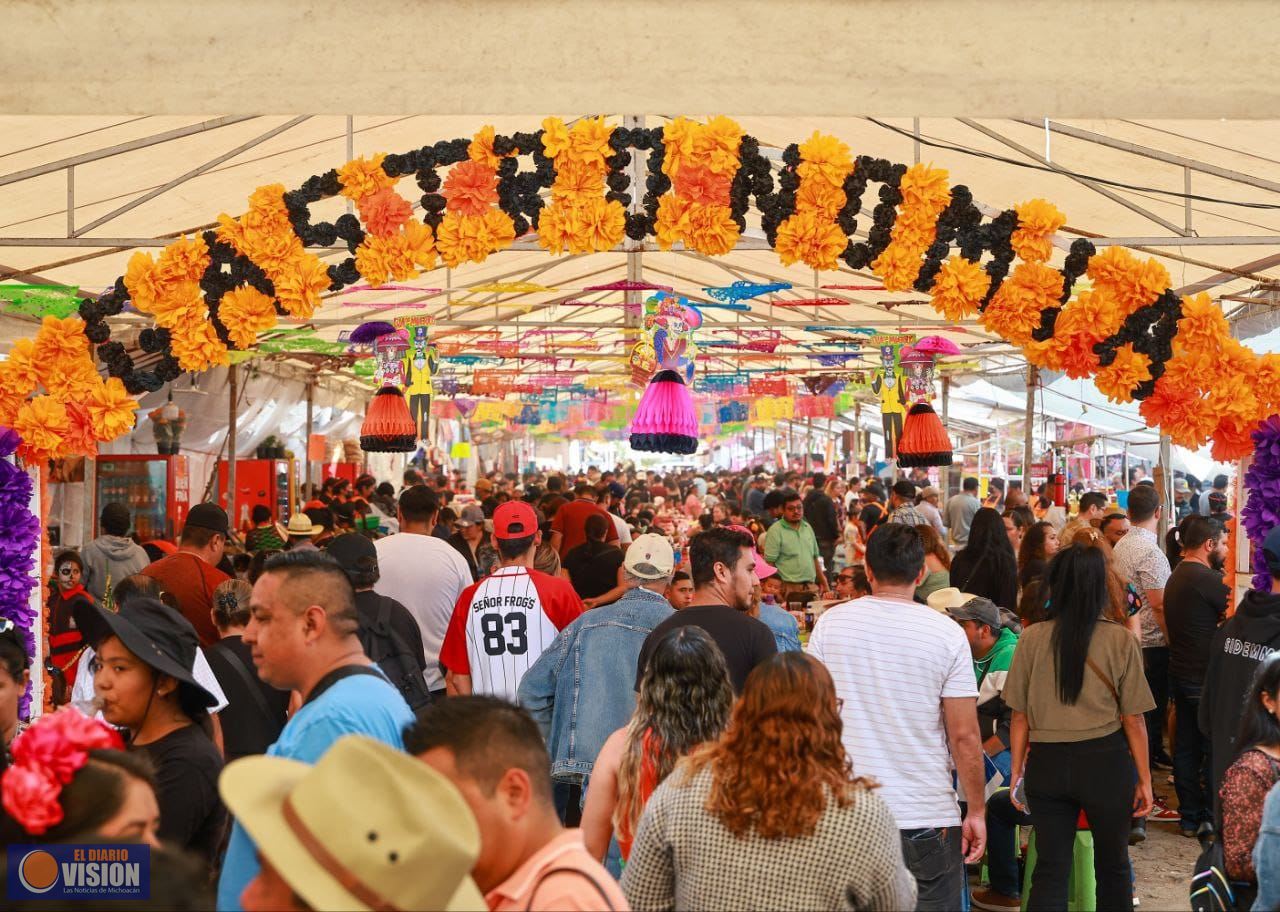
[1028,438]
[944,473]
[311,394]
[231,445]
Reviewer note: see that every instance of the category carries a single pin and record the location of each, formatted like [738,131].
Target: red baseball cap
[514,519]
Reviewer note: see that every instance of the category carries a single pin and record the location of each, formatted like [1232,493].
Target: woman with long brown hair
[937,563]
[772,808]
[684,701]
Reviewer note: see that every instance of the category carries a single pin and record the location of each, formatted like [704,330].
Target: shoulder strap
[1115,694]
[965,585]
[333,677]
[250,681]
[398,642]
[608,903]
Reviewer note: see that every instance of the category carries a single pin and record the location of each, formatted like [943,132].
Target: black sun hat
[159,636]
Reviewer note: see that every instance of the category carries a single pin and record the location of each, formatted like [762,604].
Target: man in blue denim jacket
[582,688]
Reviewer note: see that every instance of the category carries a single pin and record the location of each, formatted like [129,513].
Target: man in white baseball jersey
[504,622]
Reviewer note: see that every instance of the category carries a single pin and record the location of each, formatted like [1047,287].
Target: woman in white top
[854,547]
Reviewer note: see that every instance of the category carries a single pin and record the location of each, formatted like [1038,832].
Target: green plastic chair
[1082,889]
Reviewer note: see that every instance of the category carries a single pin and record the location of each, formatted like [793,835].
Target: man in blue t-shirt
[302,634]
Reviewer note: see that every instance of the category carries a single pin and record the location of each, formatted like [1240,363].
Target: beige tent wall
[1087,58]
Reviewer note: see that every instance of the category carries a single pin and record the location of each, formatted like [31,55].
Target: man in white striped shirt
[905,676]
[501,624]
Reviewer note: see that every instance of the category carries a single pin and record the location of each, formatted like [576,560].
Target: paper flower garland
[219,291]
[702,161]
[580,218]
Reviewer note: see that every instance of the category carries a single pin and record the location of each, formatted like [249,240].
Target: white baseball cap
[650,557]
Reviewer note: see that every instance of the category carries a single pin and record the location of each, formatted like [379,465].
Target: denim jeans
[1003,820]
[1155,661]
[1190,754]
[933,856]
[1063,779]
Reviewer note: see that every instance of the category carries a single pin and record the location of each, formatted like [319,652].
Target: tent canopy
[81,194]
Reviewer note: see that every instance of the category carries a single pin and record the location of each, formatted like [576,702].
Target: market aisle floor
[1165,862]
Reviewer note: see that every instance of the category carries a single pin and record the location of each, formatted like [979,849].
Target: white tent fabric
[1226,160]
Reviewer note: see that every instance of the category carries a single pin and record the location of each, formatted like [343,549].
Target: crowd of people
[655,691]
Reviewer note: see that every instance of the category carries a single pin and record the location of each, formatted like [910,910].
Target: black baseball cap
[209,516]
[349,549]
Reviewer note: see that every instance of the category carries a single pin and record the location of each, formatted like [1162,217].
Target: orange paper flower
[1129,369]
[299,287]
[925,190]
[197,347]
[589,142]
[817,195]
[60,340]
[183,260]
[1178,412]
[589,225]
[42,422]
[898,266]
[824,159]
[1037,222]
[959,288]
[575,180]
[555,137]
[1135,284]
[420,243]
[1015,308]
[1203,329]
[384,212]
[111,408]
[808,238]
[481,148]
[18,375]
[471,188]
[379,259]
[703,186]
[246,312]
[80,439]
[712,230]
[69,378]
[471,238]
[363,176]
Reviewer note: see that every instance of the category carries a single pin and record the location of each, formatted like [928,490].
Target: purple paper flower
[1262,513]
[9,441]
[19,539]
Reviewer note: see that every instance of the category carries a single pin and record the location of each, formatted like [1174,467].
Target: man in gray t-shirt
[960,511]
[1140,560]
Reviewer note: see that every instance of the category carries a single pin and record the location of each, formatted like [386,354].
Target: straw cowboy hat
[300,526]
[367,827]
[943,600]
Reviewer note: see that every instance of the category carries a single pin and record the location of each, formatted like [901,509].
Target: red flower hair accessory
[45,758]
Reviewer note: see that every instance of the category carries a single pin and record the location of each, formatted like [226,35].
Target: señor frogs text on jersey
[503,601]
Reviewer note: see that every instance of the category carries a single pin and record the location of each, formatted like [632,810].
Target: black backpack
[393,656]
[1211,889]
